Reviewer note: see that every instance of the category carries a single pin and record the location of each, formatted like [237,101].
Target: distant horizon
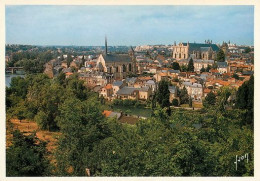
[50,25]
[125,45]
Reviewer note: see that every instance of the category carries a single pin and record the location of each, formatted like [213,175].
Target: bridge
[13,69]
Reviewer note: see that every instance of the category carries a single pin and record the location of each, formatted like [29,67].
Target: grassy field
[29,127]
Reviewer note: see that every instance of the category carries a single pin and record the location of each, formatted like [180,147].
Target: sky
[128,25]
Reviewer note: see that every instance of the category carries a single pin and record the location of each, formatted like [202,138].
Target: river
[8,78]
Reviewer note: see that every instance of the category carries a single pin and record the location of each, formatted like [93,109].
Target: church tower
[106,44]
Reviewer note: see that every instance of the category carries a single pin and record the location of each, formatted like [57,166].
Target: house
[75,64]
[161,75]
[144,93]
[173,93]
[151,84]
[107,91]
[195,90]
[111,114]
[64,64]
[199,64]
[222,67]
[68,74]
[118,85]
[128,93]
[206,91]
[131,81]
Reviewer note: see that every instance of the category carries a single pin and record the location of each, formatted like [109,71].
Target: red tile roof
[106,113]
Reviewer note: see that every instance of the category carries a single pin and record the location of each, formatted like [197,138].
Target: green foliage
[223,95]
[38,97]
[235,76]
[248,50]
[126,102]
[210,100]
[69,59]
[176,66]
[184,97]
[220,56]
[61,78]
[202,69]
[190,65]
[26,157]
[245,99]
[32,62]
[190,101]
[175,102]
[163,94]
[184,68]
[77,87]
[82,126]
[208,68]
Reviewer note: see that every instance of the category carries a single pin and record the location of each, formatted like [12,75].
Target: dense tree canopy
[176,66]
[184,97]
[191,65]
[210,100]
[220,56]
[245,99]
[183,143]
[163,93]
[26,157]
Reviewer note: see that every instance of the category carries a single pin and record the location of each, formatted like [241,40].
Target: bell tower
[106,44]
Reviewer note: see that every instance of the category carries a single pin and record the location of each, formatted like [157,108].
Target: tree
[245,99]
[215,65]
[26,156]
[208,68]
[235,76]
[83,61]
[190,65]
[210,100]
[184,68]
[248,50]
[203,69]
[190,101]
[175,102]
[175,66]
[82,126]
[184,97]
[69,59]
[61,78]
[163,93]
[220,56]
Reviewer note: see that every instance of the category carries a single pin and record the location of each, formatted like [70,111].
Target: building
[144,93]
[222,67]
[107,91]
[173,93]
[120,65]
[194,90]
[128,93]
[118,85]
[204,51]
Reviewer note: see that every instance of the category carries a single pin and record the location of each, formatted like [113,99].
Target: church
[120,65]
[204,51]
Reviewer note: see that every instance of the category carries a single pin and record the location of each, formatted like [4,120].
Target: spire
[174,43]
[106,44]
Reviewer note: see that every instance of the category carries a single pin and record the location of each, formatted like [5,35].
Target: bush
[175,102]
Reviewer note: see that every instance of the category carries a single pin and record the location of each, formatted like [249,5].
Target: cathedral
[204,51]
[120,65]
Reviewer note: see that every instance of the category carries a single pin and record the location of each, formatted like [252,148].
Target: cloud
[127,24]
